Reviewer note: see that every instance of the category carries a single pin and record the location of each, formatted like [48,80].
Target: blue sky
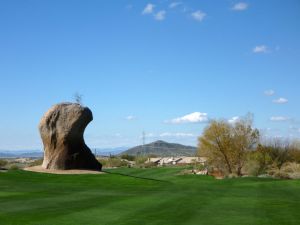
[163,67]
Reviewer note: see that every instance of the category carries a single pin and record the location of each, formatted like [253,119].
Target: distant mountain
[40,153]
[108,151]
[6,155]
[21,154]
[162,149]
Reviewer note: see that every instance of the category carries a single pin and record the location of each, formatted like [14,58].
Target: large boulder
[61,130]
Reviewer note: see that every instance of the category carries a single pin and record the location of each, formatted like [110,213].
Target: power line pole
[144,141]
[144,137]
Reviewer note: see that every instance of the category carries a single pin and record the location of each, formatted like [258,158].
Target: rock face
[61,130]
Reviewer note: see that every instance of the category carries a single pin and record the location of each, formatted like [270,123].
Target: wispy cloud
[198,15]
[130,117]
[293,128]
[241,6]
[279,118]
[180,135]
[234,119]
[260,49]
[281,101]
[149,8]
[269,92]
[174,5]
[195,117]
[161,15]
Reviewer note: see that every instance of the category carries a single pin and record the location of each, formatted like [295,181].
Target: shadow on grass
[136,177]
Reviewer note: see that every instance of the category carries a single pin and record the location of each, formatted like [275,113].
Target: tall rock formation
[61,130]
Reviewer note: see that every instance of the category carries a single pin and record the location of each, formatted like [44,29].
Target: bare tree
[78,98]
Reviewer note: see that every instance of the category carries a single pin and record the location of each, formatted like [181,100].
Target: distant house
[192,160]
[154,160]
[176,160]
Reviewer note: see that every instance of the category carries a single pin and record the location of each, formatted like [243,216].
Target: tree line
[238,149]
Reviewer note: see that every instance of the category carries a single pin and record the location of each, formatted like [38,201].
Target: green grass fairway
[146,196]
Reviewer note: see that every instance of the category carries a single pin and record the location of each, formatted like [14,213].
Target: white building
[177,160]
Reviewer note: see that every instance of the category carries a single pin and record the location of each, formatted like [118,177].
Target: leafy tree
[226,145]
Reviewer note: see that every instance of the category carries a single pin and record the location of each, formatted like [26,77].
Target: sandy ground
[39,169]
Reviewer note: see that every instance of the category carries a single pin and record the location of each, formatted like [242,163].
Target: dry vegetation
[237,150]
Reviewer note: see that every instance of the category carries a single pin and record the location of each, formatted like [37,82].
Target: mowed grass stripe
[31,198]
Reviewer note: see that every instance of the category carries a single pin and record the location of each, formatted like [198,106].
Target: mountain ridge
[161,149]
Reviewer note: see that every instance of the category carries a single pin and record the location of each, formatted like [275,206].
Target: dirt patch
[40,169]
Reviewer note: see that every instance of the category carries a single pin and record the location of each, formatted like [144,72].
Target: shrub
[14,167]
[150,165]
[295,155]
[199,166]
[140,160]
[252,168]
[3,163]
[289,170]
[128,157]
[113,162]
[36,162]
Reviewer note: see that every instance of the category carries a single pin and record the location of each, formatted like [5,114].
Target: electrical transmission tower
[144,141]
[144,138]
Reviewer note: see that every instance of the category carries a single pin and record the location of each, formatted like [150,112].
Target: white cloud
[130,117]
[195,117]
[148,9]
[240,6]
[280,101]
[161,15]
[269,92]
[260,49]
[174,4]
[167,134]
[198,15]
[234,119]
[279,118]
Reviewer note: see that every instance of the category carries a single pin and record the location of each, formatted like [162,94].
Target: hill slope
[162,148]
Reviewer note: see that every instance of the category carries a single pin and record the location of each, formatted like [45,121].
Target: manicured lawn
[147,196]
